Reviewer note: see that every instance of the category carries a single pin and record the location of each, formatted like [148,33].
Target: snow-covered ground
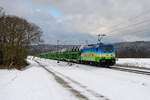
[35,83]
[139,62]
[115,85]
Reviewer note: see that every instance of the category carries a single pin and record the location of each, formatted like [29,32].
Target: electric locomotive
[100,54]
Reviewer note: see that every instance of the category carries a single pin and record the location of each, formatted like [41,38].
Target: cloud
[84,19]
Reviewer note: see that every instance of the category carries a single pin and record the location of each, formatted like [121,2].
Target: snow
[96,83]
[138,62]
[115,85]
[33,83]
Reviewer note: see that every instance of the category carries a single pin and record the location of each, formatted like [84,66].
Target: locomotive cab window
[96,49]
[107,49]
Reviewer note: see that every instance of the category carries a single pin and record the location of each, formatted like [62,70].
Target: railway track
[82,93]
[131,69]
[136,70]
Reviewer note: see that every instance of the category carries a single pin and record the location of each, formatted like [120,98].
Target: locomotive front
[107,55]
[103,55]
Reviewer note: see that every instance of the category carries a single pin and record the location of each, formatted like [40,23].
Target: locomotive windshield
[106,49]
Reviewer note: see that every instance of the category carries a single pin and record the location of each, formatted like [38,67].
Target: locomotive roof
[96,46]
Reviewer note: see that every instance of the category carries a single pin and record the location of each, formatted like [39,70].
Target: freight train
[97,54]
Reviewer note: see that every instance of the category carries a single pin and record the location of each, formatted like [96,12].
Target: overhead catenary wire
[132,18]
[129,25]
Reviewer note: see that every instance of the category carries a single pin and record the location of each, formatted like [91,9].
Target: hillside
[137,49]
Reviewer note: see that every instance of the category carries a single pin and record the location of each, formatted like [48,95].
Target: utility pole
[100,37]
[57,44]
[86,42]
[57,51]
[2,12]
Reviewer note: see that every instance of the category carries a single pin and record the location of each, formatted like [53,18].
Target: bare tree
[16,35]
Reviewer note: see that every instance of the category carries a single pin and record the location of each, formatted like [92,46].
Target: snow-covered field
[115,85]
[35,83]
[139,62]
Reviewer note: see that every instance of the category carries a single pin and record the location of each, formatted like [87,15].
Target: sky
[77,21]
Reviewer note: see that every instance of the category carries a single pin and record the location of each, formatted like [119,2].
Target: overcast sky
[75,21]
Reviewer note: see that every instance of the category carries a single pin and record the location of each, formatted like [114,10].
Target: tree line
[132,53]
[16,36]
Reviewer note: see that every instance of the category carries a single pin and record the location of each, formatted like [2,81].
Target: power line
[132,18]
[141,14]
[129,26]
